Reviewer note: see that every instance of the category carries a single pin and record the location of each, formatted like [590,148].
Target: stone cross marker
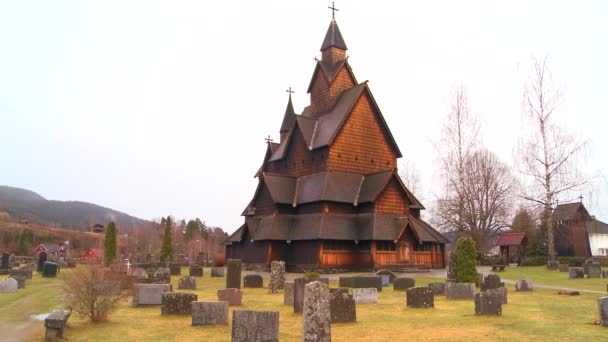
[316,326]
[233,277]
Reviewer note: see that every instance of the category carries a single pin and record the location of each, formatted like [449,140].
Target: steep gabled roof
[510,239]
[596,227]
[330,71]
[281,188]
[288,118]
[569,211]
[333,37]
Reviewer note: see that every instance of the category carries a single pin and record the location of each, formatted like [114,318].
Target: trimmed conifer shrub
[109,244]
[466,271]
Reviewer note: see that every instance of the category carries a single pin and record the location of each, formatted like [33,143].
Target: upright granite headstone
[386,280]
[149,294]
[345,281]
[217,271]
[459,290]
[196,271]
[364,282]
[50,269]
[5,264]
[20,281]
[437,288]
[342,306]
[316,312]
[253,281]
[602,304]
[524,285]
[233,277]
[502,293]
[402,284]
[391,275]
[177,303]
[594,270]
[234,297]
[8,285]
[576,272]
[563,267]
[175,268]
[248,326]
[288,293]
[277,276]
[365,296]
[420,297]
[488,303]
[451,276]
[490,282]
[209,313]
[187,283]
[42,256]
[298,291]
[552,265]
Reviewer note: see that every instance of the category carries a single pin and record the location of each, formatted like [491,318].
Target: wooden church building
[328,193]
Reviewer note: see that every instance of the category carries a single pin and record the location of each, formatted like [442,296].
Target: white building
[598,237]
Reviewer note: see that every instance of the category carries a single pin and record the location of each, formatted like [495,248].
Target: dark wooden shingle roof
[333,37]
[569,211]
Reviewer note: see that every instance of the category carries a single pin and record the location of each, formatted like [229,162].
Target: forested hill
[28,205]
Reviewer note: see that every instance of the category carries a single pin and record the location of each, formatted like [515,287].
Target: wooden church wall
[264,205]
[393,199]
[299,160]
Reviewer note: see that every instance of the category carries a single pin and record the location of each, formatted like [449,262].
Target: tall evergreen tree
[166,251]
[109,244]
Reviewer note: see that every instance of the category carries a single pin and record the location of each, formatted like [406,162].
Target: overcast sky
[162,107]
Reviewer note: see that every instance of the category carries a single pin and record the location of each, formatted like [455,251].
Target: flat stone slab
[524,285]
[55,324]
[420,297]
[576,272]
[9,285]
[437,288]
[248,326]
[177,303]
[217,271]
[568,293]
[196,271]
[459,290]
[234,297]
[488,303]
[365,295]
[364,282]
[402,284]
[253,281]
[288,293]
[209,313]
[149,294]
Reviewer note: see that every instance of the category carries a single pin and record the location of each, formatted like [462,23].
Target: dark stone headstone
[175,268]
[253,281]
[250,326]
[233,276]
[50,269]
[604,273]
[345,281]
[209,313]
[402,284]
[316,313]
[42,256]
[502,293]
[490,282]
[187,283]
[437,288]
[364,282]
[488,303]
[594,270]
[576,272]
[451,276]
[55,324]
[342,306]
[196,271]
[563,267]
[602,304]
[459,290]
[5,264]
[552,265]
[234,297]
[390,274]
[524,285]
[177,303]
[420,297]
[20,281]
[288,293]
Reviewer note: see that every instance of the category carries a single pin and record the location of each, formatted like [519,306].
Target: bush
[490,261]
[88,294]
[534,261]
[466,251]
[311,275]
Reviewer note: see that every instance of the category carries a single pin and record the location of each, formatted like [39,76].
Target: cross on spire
[580,198]
[290,91]
[268,139]
[333,10]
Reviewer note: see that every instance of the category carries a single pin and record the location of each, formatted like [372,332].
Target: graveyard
[540,314]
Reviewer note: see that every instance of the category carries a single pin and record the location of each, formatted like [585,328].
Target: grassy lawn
[40,295]
[540,315]
[540,275]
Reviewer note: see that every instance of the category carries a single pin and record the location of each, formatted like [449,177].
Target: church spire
[333,48]
[288,118]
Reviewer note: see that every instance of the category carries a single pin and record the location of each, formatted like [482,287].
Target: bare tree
[410,175]
[549,155]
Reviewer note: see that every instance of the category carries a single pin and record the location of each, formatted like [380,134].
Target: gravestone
[602,304]
[568,293]
[149,294]
[12,261]
[365,296]
[209,313]
[175,268]
[42,256]
[420,297]
[364,282]
[233,277]
[8,285]
[480,278]
[139,273]
[217,271]
[437,288]
[488,303]
[386,280]
[451,272]
[187,283]
[401,284]
[288,293]
[163,275]
[316,313]
[594,270]
[391,275]
[277,276]
[21,272]
[345,281]
[55,324]
[200,258]
[50,269]
[234,297]
[604,273]
[253,281]
[524,285]
[5,264]
[248,326]
[298,291]
[552,265]
[177,303]
[502,293]
[563,267]
[196,271]
[459,290]
[20,281]
[490,282]
[576,272]
[342,306]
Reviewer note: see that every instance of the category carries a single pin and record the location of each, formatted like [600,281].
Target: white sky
[162,107]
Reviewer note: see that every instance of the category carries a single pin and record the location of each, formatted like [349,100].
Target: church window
[337,245]
[364,245]
[385,246]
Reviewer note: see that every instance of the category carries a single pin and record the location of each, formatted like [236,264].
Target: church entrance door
[403,252]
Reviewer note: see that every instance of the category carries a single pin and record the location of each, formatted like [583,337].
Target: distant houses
[97,228]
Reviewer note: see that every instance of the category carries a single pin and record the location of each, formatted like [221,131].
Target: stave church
[328,194]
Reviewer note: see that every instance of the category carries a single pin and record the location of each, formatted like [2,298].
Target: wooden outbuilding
[508,240]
